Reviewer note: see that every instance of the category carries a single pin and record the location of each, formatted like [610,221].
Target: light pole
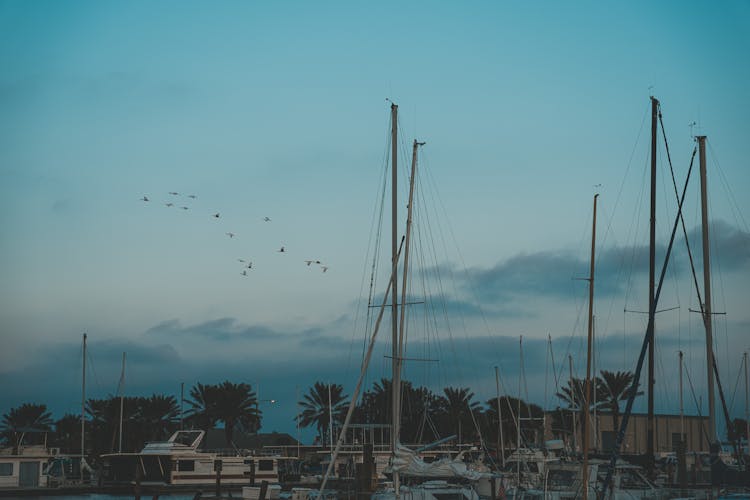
[257,410]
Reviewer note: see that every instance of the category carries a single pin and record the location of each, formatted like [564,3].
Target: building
[603,434]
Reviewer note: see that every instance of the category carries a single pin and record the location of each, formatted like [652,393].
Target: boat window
[6,469]
[561,478]
[265,465]
[186,465]
[629,480]
[186,437]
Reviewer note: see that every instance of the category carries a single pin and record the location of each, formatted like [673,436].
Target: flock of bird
[247,264]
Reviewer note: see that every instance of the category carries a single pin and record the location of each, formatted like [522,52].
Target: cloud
[289,364]
[220,330]
[554,273]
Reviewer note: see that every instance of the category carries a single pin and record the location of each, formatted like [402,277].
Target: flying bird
[192,196]
[185,208]
[249,265]
[174,193]
[308,262]
[241,260]
[267,219]
[216,215]
[281,250]
[244,273]
[145,198]
[169,204]
[231,235]
[325,268]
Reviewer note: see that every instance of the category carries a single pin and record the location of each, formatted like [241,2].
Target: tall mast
[587,389]
[573,396]
[122,400]
[651,286]
[594,421]
[518,409]
[83,401]
[182,403]
[501,443]
[396,377]
[682,408]
[747,408]
[707,291]
[401,323]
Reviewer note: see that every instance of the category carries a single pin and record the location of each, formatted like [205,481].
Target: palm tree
[320,409]
[616,388]
[375,406]
[102,428]
[236,404]
[157,414]
[457,408]
[202,401]
[18,421]
[418,407]
[232,404]
[67,435]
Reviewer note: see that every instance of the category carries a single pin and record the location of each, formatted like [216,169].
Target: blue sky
[279,109]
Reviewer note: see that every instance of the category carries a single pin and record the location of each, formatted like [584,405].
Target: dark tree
[318,408]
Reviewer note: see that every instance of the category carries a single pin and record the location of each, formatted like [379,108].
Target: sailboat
[428,481]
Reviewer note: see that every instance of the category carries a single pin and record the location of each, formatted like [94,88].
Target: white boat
[179,462]
[25,467]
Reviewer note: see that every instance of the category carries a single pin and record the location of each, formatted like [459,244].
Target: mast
[682,408]
[747,408]
[396,376]
[122,400]
[707,291]
[681,466]
[83,403]
[182,403]
[587,388]
[651,286]
[501,443]
[330,420]
[573,396]
[399,361]
[518,413]
[594,420]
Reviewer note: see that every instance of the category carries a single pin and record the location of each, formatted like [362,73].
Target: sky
[281,110]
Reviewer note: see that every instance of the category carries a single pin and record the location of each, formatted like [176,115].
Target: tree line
[426,416]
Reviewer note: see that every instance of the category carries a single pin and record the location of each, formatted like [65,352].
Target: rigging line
[674,184]
[377,215]
[97,381]
[441,287]
[462,261]
[697,405]
[716,259]
[627,170]
[727,186]
[554,373]
[620,268]
[736,385]
[634,230]
[700,302]
[648,339]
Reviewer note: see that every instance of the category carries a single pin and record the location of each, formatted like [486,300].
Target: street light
[257,411]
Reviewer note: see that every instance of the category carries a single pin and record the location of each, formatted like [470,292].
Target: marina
[374,251]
